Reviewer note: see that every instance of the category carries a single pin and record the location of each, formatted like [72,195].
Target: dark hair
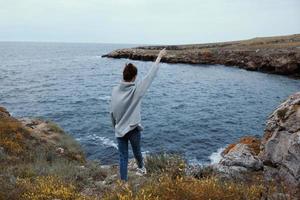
[129,72]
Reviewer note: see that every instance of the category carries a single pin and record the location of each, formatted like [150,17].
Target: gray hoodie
[125,103]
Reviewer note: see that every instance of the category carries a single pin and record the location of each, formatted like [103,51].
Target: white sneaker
[141,171]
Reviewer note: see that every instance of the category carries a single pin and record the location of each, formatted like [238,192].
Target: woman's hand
[162,53]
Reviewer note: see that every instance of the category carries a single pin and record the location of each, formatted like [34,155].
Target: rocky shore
[38,160]
[278,55]
[276,154]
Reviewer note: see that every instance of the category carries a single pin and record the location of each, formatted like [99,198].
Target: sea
[192,110]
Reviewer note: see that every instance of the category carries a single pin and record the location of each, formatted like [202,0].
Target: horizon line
[153,44]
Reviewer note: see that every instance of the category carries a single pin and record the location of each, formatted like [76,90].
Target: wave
[108,142]
[215,157]
[99,139]
[104,98]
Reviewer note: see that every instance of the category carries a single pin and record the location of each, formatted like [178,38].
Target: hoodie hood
[126,85]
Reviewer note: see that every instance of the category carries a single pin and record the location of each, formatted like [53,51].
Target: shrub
[202,172]
[63,140]
[172,164]
[54,127]
[47,187]
[12,136]
[281,113]
[166,188]
[8,189]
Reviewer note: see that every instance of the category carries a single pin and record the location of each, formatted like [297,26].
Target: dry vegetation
[12,136]
[275,42]
[31,168]
[167,180]
[185,187]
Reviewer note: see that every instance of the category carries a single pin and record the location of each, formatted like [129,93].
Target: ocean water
[195,110]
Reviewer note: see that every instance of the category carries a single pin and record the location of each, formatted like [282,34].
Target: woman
[125,114]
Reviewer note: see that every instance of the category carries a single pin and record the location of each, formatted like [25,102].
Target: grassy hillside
[39,161]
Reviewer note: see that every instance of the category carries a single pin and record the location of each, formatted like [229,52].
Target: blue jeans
[134,136]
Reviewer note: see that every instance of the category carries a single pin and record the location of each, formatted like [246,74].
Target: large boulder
[280,150]
[240,157]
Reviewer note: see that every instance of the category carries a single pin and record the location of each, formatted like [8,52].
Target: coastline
[276,55]
[38,158]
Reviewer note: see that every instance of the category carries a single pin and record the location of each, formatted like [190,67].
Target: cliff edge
[38,160]
[278,55]
[276,154]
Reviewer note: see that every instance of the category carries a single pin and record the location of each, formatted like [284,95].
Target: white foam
[144,153]
[195,162]
[215,157]
[104,98]
[99,139]
[108,142]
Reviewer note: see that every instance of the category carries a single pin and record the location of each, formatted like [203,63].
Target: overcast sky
[146,21]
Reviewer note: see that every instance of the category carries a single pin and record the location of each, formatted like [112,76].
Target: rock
[100,184]
[60,150]
[132,164]
[252,142]
[106,167]
[276,155]
[241,156]
[281,141]
[4,112]
[111,179]
[31,123]
[231,172]
[251,66]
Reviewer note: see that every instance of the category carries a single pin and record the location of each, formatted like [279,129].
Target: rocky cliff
[280,149]
[279,55]
[276,154]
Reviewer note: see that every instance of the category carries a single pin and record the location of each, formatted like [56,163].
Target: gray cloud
[146,21]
